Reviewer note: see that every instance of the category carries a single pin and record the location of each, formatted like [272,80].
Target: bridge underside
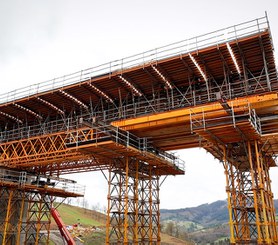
[217,91]
[232,132]
[25,207]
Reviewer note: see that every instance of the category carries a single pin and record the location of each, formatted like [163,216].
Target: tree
[169,228]
[177,230]
[85,204]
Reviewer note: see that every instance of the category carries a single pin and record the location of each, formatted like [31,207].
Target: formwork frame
[133,203]
[38,218]
[20,227]
[42,142]
[25,201]
[159,102]
[250,200]
[12,206]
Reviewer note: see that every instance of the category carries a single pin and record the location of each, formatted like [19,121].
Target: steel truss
[38,218]
[250,200]
[12,202]
[133,203]
[234,65]
[23,217]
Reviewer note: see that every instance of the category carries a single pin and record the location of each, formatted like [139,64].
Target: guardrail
[206,119]
[124,138]
[23,178]
[182,47]
[177,100]
[144,106]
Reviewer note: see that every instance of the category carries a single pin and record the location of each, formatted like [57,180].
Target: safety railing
[178,48]
[124,138]
[207,119]
[23,178]
[176,100]
[181,99]
[13,176]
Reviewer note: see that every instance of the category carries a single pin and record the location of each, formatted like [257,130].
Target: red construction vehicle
[62,227]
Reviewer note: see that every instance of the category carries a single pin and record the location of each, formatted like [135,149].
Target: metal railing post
[233,115]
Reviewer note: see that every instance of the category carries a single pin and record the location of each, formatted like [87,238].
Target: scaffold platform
[218,91]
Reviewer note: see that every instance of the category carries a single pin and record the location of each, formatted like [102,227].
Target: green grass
[72,215]
[221,239]
[185,225]
[51,243]
[96,238]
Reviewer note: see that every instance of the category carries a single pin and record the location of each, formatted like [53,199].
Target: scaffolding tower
[217,91]
[25,203]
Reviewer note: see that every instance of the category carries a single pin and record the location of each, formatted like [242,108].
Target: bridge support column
[11,215]
[38,218]
[250,200]
[133,203]
[23,217]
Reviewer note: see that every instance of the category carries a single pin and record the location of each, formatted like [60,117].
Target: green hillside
[204,224]
[89,218]
[73,215]
[207,223]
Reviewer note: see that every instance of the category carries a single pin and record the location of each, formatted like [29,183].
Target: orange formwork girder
[217,91]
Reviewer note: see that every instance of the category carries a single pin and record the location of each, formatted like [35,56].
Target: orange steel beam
[183,115]
[171,130]
[39,189]
[44,149]
[227,129]
[75,146]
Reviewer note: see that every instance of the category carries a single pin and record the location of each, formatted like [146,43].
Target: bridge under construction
[218,91]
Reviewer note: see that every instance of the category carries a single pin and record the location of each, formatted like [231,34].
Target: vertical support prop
[150,205]
[264,229]
[126,218]
[228,190]
[38,223]
[136,220]
[108,207]
[158,212]
[133,203]
[7,219]
[20,219]
[252,171]
[250,200]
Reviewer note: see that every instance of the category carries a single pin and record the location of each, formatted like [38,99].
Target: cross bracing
[217,91]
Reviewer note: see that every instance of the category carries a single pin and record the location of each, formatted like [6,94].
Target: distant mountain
[204,224]
[276,205]
[207,215]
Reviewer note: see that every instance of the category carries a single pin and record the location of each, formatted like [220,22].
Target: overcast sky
[41,40]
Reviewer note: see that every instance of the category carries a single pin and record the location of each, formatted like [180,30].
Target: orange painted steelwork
[217,91]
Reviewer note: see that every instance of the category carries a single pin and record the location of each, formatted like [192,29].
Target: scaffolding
[250,200]
[195,44]
[159,103]
[217,91]
[25,202]
[133,204]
